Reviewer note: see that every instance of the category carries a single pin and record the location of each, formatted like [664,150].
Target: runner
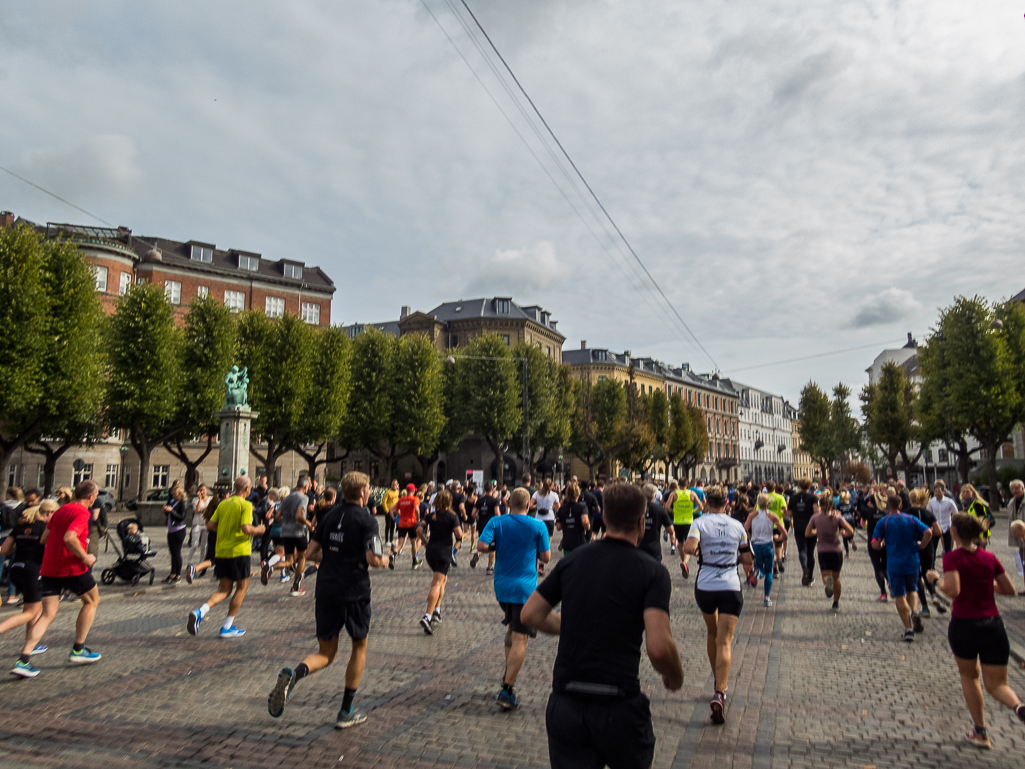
[65,566]
[490,506]
[27,555]
[973,504]
[683,503]
[847,511]
[347,544]
[444,527]
[598,518]
[656,520]
[764,528]
[927,556]
[976,632]
[611,595]
[875,505]
[720,542]
[391,496]
[233,522]
[519,542]
[459,508]
[827,526]
[572,520]
[899,534]
[295,530]
[408,508]
[1016,515]
[802,507]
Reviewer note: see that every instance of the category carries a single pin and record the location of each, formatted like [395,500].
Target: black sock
[301,671]
[78,647]
[24,658]
[981,731]
[507,687]
[350,694]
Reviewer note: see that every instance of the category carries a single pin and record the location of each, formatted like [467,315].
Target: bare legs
[719,645]
[995,679]
[515,652]
[37,627]
[437,592]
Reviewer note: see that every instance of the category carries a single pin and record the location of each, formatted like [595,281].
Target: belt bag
[595,690]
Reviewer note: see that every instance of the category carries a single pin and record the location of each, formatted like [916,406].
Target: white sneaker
[767,601]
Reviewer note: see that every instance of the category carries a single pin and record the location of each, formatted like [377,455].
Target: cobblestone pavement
[809,689]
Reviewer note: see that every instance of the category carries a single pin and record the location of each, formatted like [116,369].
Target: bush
[1005,475]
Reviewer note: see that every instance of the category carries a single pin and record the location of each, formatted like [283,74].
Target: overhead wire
[54,195]
[816,355]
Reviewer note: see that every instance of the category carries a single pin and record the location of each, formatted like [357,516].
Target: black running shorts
[512,617]
[211,546]
[293,544]
[984,639]
[682,530]
[439,561]
[80,584]
[334,615]
[830,561]
[410,532]
[587,732]
[722,601]
[25,577]
[235,569]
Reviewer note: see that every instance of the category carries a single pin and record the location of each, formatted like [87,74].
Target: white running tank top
[761,529]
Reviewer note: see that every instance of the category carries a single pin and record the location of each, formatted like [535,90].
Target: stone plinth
[233,450]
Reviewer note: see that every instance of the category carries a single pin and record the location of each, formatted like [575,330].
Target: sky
[797,178]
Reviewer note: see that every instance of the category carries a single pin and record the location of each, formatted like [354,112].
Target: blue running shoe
[232,632]
[84,657]
[39,649]
[195,620]
[24,670]
[507,699]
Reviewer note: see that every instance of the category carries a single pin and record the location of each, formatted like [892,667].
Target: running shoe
[278,697]
[265,572]
[38,650]
[806,578]
[916,623]
[490,570]
[909,636]
[767,602]
[925,611]
[455,565]
[829,587]
[978,740]
[84,657]
[297,593]
[391,561]
[425,623]
[672,550]
[24,670]
[190,573]
[350,717]
[297,585]
[436,617]
[685,569]
[284,576]
[418,563]
[195,620]
[781,567]
[718,707]
[507,699]
[753,579]
[882,598]
[473,559]
[1020,712]
[836,608]
[938,603]
[232,632]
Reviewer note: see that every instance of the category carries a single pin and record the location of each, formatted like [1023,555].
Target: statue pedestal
[233,452]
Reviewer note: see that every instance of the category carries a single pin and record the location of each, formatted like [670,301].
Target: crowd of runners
[607,595]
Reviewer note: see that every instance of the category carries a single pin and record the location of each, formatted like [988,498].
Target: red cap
[410,487]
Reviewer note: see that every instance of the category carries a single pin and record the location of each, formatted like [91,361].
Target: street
[808,689]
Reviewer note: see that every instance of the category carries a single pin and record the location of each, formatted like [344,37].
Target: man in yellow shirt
[232,522]
[391,496]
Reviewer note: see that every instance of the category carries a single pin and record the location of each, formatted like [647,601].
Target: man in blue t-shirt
[900,535]
[519,542]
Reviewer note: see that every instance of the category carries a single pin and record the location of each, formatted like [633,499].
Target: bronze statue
[235,384]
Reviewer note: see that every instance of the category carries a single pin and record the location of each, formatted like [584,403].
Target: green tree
[418,397]
[816,432]
[844,427]
[976,361]
[71,392]
[279,356]
[658,425]
[888,407]
[325,407]
[696,449]
[453,428]
[24,306]
[583,426]
[368,424]
[549,403]
[207,352]
[144,372]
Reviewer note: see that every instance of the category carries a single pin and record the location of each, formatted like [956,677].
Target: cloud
[887,306]
[514,270]
[97,167]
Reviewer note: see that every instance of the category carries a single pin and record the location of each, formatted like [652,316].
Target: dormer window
[202,254]
[599,355]
[293,270]
[502,306]
[250,263]
[545,317]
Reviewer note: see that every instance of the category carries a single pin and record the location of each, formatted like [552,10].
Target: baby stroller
[130,565]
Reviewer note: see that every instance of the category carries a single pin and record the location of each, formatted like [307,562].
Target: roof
[1019,297]
[388,327]
[682,375]
[486,308]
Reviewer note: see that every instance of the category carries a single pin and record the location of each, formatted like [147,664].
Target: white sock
[228,623]
[273,560]
[204,610]
[427,617]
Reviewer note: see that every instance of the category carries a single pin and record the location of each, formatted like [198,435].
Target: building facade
[766,436]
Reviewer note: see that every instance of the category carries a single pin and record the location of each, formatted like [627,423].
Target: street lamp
[123,451]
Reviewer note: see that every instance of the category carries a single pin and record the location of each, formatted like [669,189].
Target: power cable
[54,195]
[816,355]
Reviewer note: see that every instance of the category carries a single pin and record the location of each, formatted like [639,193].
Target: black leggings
[878,558]
[927,560]
[389,528]
[175,540]
[805,550]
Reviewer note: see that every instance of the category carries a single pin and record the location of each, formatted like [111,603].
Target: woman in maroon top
[976,632]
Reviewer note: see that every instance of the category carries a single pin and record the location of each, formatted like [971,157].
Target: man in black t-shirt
[572,520]
[656,520]
[613,595]
[488,506]
[803,505]
[459,508]
[347,544]
[598,516]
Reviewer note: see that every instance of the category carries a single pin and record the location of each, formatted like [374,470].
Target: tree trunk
[963,456]
[191,466]
[7,449]
[50,457]
[991,465]
[143,451]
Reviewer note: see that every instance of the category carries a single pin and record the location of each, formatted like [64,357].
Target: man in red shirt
[66,566]
[408,510]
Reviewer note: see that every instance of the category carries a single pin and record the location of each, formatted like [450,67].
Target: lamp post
[123,451]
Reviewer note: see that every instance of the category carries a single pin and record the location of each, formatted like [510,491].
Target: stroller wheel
[135,580]
[107,576]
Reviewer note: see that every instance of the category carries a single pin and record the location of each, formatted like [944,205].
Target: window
[140,281]
[82,475]
[293,271]
[502,306]
[548,350]
[173,291]
[944,457]
[161,474]
[602,378]
[127,480]
[202,254]
[235,300]
[275,307]
[1008,451]
[505,338]
[12,475]
[599,355]
[357,465]
[251,263]
[202,291]
[110,480]
[354,330]
[125,283]
[311,314]
[101,278]
[455,340]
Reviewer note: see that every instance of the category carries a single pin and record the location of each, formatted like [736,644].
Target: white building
[766,436]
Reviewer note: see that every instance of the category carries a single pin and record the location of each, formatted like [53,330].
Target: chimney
[583,344]
[6,218]
[685,366]
[626,353]
[404,312]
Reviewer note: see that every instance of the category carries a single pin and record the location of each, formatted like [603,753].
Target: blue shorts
[902,584]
